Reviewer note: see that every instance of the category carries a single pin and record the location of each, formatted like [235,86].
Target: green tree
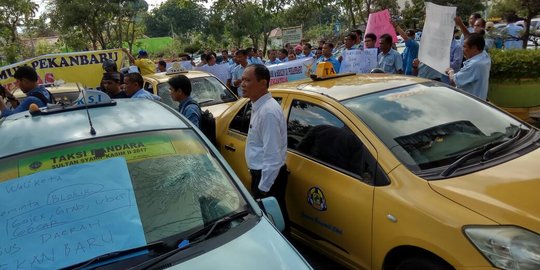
[464,7]
[414,14]
[104,23]
[176,17]
[14,14]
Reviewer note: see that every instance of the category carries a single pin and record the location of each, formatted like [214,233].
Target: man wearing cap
[146,65]
[111,85]
[27,80]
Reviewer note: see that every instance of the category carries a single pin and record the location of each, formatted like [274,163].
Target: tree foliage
[464,7]
[176,17]
[14,14]
[104,23]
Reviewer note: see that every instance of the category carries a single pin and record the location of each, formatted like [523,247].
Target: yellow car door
[330,185]
[232,142]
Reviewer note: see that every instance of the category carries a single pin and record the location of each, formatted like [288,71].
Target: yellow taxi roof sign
[176,67]
[325,70]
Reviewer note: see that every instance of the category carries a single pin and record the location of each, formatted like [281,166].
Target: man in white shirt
[267,138]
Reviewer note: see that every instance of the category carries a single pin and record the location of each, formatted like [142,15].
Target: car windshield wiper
[206,101]
[487,155]
[186,242]
[487,150]
[468,155]
[112,255]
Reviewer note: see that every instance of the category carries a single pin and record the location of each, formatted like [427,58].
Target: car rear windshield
[177,183]
[205,90]
[430,125]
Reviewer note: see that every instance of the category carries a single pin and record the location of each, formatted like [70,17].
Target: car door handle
[230,147]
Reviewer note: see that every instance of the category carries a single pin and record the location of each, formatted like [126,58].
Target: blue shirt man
[474,75]
[411,48]
[390,62]
[180,90]
[513,41]
[327,57]
[30,98]
[237,75]
[456,55]
[191,110]
[409,54]
[27,79]
[134,83]
[389,59]
[272,62]
[141,93]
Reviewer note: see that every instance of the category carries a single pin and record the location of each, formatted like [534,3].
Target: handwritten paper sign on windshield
[57,218]
[379,24]
[359,61]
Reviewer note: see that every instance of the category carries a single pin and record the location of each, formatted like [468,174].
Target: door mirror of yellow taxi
[271,207]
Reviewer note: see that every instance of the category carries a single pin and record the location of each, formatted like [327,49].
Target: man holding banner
[411,48]
[474,75]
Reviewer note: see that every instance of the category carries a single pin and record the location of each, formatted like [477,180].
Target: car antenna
[92,130]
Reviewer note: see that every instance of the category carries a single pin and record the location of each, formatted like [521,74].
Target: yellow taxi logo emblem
[316,199]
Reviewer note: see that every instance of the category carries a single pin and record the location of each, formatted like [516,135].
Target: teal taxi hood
[261,248]
[129,115]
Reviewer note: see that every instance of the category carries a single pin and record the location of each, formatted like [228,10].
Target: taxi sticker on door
[315,197]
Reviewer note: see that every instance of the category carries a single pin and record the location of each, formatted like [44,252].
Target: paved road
[316,260]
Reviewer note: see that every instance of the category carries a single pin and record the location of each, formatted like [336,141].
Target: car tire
[419,263]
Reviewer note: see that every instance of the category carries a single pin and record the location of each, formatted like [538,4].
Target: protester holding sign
[411,48]
[370,41]
[474,75]
[349,43]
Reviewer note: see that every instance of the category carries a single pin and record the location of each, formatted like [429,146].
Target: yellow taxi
[207,90]
[397,172]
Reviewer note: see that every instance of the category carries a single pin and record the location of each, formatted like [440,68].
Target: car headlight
[507,247]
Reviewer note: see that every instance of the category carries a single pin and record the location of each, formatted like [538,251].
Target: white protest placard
[292,35]
[437,36]
[359,61]
[222,72]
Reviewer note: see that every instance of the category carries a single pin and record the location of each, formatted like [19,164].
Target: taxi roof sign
[93,98]
[325,70]
[176,67]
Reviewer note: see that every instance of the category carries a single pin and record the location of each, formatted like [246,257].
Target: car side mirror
[271,208]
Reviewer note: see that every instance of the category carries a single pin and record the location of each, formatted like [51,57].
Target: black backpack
[42,97]
[207,124]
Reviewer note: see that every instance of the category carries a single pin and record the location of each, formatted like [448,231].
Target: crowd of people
[468,68]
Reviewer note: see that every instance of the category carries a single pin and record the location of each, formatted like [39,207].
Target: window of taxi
[318,134]
[178,184]
[429,126]
[205,90]
[240,122]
